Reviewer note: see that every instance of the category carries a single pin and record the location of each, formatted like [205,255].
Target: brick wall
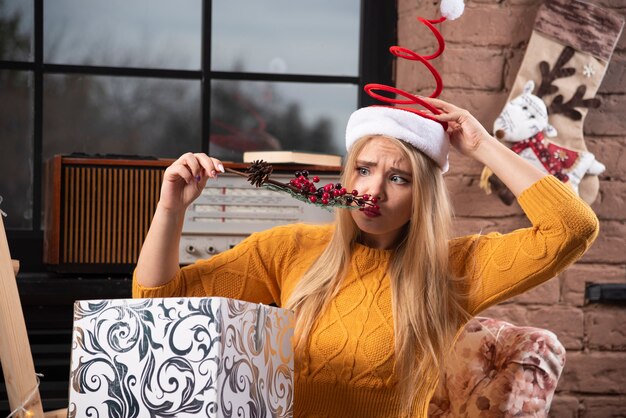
[484,49]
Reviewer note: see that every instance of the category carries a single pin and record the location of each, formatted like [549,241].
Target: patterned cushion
[499,370]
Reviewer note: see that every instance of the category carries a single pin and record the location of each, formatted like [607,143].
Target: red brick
[611,201]
[603,407]
[486,2]
[484,105]
[611,4]
[481,69]
[491,25]
[574,279]
[515,314]
[604,328]
[609,118]
[530,3]
[615,78]
[415,35]
[544,294]
[512,65]
[594,372]
[565,321]
[468,199]
[610,151]
[610,244]
[405,6]
[564,406]
[460,164]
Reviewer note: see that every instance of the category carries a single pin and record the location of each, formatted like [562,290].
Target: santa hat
[424,134]
[419,129]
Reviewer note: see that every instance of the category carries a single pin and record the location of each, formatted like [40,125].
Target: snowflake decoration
[588,70]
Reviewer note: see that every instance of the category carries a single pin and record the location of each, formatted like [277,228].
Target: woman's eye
[364,171]
[398,180]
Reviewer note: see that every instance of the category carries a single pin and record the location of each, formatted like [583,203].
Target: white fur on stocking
[452,9]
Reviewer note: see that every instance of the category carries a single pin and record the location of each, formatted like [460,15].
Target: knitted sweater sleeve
[250,271]
[499,266]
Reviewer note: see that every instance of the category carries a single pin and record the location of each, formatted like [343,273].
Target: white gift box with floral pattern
[181,357]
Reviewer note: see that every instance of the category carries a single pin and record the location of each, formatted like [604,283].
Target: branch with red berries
[306,188]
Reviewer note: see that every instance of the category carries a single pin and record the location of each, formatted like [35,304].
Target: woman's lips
[371,212]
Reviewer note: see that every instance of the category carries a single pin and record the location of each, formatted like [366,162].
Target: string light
[29,398]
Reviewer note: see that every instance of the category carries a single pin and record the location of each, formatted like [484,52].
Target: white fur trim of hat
[424,134]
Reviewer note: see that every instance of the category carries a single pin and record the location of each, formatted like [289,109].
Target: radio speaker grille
[100,211]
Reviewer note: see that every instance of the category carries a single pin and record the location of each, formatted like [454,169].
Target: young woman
[380,294]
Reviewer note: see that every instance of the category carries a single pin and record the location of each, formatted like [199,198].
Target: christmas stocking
[564,64]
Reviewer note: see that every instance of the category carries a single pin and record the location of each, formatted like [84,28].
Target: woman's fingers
[449,117]
[190,161]
[210,165]
[181,171]
[194,167]
[440,104]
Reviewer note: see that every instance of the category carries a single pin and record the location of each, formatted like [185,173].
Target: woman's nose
[375,188]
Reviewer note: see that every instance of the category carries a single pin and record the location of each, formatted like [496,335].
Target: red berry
[316,179]
[312,189]
[313,199]
[366,197]
[343,191]
[374,200]
[325,201]
[336,193]
[355,193]
[326,195]
[328,187]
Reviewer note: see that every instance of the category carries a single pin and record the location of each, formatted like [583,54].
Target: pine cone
[259,172]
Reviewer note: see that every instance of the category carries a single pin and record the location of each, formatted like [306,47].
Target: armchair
[498,369]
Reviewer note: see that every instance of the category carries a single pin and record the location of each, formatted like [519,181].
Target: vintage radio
[98,211]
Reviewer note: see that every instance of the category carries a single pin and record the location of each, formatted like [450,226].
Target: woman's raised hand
[185,179]
[466,133]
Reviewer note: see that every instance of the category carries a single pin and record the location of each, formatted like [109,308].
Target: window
[159,78]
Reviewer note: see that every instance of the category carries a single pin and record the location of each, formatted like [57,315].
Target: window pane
[286,36]
[248,116]
[119,115]
[16,158]
[16,30]
[129,33]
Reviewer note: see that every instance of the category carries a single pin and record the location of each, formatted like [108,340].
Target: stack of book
[292,157]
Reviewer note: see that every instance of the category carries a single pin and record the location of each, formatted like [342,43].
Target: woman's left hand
[466,133]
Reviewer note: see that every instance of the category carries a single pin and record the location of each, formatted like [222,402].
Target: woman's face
[382,170]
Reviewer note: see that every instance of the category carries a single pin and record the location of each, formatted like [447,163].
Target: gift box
[181,357]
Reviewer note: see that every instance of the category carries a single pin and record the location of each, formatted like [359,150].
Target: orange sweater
[348,370]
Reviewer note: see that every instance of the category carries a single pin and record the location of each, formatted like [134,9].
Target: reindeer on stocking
[524,123]
[567,55]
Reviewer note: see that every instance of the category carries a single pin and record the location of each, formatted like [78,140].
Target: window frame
[378,22]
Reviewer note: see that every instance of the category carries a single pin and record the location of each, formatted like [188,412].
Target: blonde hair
[427,305]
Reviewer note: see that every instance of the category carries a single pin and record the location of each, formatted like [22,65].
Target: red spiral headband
[450,9]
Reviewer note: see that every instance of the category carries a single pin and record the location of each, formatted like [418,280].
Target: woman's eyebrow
[404,173]
[374,164]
